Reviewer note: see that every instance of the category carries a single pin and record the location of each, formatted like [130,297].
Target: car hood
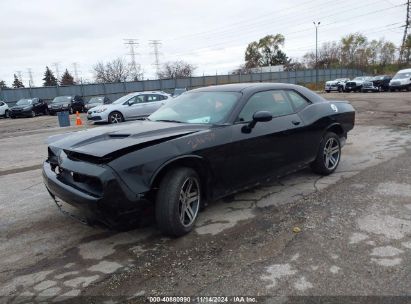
[332,82]
[103,141]
[20,107]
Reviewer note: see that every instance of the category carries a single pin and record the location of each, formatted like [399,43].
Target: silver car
[129,107]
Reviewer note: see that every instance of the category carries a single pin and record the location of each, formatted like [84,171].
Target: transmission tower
[156,44]
[30,73]
[406,27]
[132,44]
[75,68]
[56,67]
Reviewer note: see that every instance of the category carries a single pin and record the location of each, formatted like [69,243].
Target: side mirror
[259,116]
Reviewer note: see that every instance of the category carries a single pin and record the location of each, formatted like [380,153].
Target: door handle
[296,122]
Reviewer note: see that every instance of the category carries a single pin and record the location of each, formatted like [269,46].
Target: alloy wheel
[331,153]
[189,201]
[116,118]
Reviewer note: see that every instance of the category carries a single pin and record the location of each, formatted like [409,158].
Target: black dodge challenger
[204,145]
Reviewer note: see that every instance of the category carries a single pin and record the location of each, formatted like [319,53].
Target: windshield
[96,100]
[123,99]
[402,75]
[198,107]
[60,99]
[24,102]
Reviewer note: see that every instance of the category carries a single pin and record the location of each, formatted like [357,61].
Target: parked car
[336,85]
[28,107]
[382,82]
[71,104]
[132,106]
[179,91]
[96,101]
[401,81]
[206,144]
[368,86]
[355,85]
[4,109]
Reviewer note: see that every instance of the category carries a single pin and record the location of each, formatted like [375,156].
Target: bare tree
[116,70]
[176,69]
[242,69]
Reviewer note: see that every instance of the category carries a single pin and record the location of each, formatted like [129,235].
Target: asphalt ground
[347,234]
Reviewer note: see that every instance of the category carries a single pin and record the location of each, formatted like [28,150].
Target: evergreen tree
[67,79]
[3,84]
[49,79]
[17,82]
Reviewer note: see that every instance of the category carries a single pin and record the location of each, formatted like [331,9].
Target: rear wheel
[6,114]
[328,156]
[32,114]
[115,117]
[178,201]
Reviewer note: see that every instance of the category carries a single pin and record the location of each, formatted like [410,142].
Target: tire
[329,146]
[409,88]
[340,90]
[71,111]
[327,91]
[115,117]
[171,218]
[6,114]
[32,114]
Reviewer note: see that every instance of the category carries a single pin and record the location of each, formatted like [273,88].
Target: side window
[136,99]
[274,101]
[153,97]
[1,103]
[298,101]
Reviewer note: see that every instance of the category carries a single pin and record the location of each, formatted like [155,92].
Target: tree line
[351,51]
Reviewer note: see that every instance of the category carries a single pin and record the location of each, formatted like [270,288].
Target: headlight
[100,110]
[49,106]
[66,105]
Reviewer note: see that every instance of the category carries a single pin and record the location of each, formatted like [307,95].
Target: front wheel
[328,156]
[115,117]
[32,114]
[178,201]
[6,114]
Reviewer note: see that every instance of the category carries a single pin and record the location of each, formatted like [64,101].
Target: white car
[401,81]
[336,85]
[132,106]
[4,109]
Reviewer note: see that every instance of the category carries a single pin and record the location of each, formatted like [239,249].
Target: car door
[270,147]
[135,107]
[153,103]
[36,105]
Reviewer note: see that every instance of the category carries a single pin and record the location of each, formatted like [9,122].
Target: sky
[210,34]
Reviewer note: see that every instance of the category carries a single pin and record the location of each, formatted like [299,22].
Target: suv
[355,85]
[4,109]
[28,107]
[66,103]
[382,82]
[132,106]
[401,80]
[336,85]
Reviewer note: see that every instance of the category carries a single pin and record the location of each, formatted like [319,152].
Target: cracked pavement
[354,239]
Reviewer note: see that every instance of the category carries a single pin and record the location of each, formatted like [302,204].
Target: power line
[156,44]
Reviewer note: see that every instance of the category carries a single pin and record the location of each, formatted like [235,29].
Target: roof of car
[238,87]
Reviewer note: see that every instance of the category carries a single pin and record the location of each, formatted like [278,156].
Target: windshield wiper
[169,120]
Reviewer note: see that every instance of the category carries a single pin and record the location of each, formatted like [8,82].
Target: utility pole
[75,68]
[316,24]
[156,44]
[406,27]
[56,67]
[132,44]
[30,73]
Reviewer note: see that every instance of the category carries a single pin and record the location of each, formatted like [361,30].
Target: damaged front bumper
[94,189]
